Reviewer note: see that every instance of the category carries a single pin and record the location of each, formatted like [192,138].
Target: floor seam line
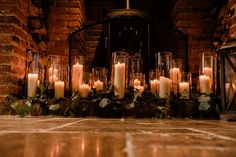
[213,134]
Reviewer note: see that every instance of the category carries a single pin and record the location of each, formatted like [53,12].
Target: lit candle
[154,85]
[77,76]
[205,84]
[32,84]
[175,76]
[184,90]
[119,79]
[52,71]
[98,85]
[164,87]
[84,90]
[59,89]
[208,72]
[137,82]
[53,78]
[140,89]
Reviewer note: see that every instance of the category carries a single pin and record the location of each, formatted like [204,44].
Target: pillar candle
[175,76]
[154,86]
[59,89]
[84,90]
[205,84]
[98,85]
[52,71]
[32,84]
[208,72]
[137,82]
[119,79]
[140,89]
[164,87]
[184,90]
[53,78]
[77,76]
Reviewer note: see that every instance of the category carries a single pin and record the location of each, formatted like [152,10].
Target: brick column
[14,40]
[232,5]
[194,19]
[64,16]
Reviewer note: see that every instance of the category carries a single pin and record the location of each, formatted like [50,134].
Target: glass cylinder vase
[207,73]
[138,82]
[120,72]
[185,85]
[77,72]
[175,74]
[60,85]
[99,78]
[33,75]
[85,86]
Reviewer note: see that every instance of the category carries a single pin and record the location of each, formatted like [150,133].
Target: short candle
[98,85]
[184,90]
[205,84]
[59,89]
[84,90]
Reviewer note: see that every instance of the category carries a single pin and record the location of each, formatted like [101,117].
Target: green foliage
[106,104]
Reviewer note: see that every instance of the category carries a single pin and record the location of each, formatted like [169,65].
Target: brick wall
[65,16]
[194,19]
[14,40]
[232,5]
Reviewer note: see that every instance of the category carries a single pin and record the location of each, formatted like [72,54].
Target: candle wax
[59,89]
[119,79]
[98,85]
[32,84]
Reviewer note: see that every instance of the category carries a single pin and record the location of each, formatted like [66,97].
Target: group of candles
[178,81]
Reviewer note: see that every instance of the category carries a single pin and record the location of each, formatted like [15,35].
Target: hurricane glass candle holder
[120,72]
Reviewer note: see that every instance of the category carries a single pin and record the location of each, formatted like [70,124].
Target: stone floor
[90,137]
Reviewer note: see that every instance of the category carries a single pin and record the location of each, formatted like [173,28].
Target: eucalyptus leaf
[54,107]
[104,102]
[204,106]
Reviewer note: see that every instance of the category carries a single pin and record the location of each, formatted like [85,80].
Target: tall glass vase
[120,72]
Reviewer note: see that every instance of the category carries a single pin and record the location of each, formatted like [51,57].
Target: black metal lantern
[227,58]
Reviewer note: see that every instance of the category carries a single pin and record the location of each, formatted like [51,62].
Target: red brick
[9,89]
[2,2]
[10,20]
[5,69]
[8,80]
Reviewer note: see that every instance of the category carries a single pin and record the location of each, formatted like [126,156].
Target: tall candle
[32,84]
[205,84]
[98,85]
[52,71]
[154,86]
[84,90]
[184,90]
[119,79]
[208,72]
[164,88]
[59,89]
[53,78]
[77,76]
[175,76]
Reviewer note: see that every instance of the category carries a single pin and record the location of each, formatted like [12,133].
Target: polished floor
[92,137]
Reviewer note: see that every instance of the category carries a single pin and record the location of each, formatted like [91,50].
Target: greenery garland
[105,104]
